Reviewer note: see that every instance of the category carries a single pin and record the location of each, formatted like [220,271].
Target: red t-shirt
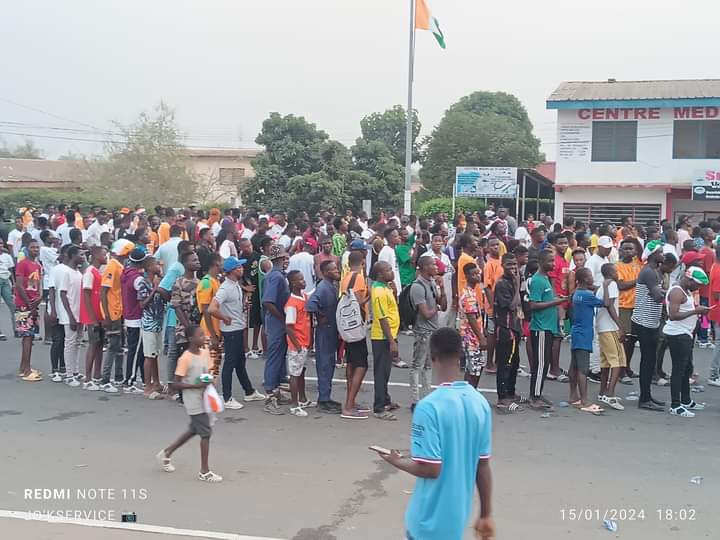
[29,276]
[91,280]
[299,318]
[708,259]
[559,276]
[714,314]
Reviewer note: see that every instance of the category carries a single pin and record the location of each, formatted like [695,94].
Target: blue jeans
[275,355]
[326,345]
[6,292]
[234,361]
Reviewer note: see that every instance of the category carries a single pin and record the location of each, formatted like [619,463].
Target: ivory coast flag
[425,21]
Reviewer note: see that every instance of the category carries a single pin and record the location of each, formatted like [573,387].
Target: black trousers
[135,356]
[235,361]
[648,338]
[57,349]
[681,353]
[507,357]
[382,365]
[542,344]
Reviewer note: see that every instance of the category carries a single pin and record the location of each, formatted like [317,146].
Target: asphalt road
[314,479]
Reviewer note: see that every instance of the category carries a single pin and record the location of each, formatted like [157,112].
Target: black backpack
[408,311]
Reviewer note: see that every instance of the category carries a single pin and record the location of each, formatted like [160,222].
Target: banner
[706,186]
[490,182]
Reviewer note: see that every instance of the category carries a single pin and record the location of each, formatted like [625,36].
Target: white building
[650,149]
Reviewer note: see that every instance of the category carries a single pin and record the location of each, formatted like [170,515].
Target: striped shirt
[647,311]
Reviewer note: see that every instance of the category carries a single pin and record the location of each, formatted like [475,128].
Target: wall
[207,168]
[609,196]
[654,163]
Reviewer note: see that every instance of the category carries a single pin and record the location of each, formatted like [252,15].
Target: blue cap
[358,243]
[231,263]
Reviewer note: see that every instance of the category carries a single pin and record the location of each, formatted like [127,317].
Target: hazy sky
[225,64]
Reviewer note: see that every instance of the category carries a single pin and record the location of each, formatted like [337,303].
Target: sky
[70,68]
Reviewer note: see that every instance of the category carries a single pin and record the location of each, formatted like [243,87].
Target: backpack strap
[351,285]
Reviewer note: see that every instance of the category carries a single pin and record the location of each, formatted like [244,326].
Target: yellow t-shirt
[628,272]
[492,273]
[111,280]
[206,289]
[384,307]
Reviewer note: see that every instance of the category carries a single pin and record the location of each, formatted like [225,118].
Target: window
[696,139]
[614,141]
[612,212]
[231,176]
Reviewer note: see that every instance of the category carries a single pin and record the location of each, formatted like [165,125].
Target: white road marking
[139,527]
[400,384]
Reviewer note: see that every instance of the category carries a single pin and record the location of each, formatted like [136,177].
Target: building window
[696,139]
[231,176]
[614,141]
[612,212]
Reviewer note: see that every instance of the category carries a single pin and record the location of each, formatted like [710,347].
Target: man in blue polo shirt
[450,452]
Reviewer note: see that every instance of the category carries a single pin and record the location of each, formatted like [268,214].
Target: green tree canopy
[483,129]
[390,128]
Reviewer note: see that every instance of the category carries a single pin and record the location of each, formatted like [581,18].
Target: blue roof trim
[635,103]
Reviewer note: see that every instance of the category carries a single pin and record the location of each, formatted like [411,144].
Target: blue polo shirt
[275,291]
[171,276]
[584,303]
[451,426]
[324,299]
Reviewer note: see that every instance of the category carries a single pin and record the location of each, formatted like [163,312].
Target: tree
[383,178]
[390,128]
[314,192]
[27,150]
[293,147]
[483,129]
[147,164]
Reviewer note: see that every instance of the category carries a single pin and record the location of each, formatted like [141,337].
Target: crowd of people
[336,287]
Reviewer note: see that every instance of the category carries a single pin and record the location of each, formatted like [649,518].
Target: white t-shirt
[55,277]
[276,231]
[216,228]
[15,239]
[304,262]
[6,263]
[63,233]
[48,260]
[285,241]
[523,236]
[603,321]
[387,254]
[594,264]
[228,249]
[70,280]
[247,233]
[94,231]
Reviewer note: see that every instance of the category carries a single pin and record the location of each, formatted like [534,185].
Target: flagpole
[409,116]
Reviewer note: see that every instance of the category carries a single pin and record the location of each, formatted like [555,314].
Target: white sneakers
[72,382]
[109,388]
[233,404]
[252,355]
[132,390]
[57,377]
[613,402]
[91,386]
[298,411]
[255,396]
[714,382]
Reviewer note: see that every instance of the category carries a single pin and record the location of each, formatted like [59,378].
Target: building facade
[221,174]
[649,149]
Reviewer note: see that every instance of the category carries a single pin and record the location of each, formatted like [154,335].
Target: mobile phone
[379,450]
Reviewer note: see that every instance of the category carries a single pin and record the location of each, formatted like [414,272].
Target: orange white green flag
[425,21]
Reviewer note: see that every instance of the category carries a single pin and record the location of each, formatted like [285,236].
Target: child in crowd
[193,363]
[612,353]
[471,330]
[297,326]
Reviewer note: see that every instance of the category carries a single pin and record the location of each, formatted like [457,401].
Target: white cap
[605,242]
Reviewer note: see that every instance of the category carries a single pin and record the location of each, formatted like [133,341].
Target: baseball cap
[697,274]
[358,243]
[231,263]
[650,248]
[138,255]
[122,247]
[277,252]
[605,242]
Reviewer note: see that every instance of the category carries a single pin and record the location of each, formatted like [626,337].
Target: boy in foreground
[450,452]
[193,363]
[299,332]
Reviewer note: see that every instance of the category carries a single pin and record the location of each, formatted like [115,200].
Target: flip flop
[392,407]
[593,409]
[386,416]
[509,409]
[577,404]
[33,376]
[355,415]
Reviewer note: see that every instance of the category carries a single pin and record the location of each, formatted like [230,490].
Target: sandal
[577,404]
[508,409]
[521,399]
[386,416]
[164,461]
[33,376]
[392,407]
[210,477]
[593,409]
[614,402]
[401,364]
[155,395]
[355,415]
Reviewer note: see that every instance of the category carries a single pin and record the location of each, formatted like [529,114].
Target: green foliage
[27,150]
[390,127]
[147,165]
[383,179]
[483,129]
[444,205]
[314,192]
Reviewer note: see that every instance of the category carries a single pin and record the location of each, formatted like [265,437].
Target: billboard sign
[486,182]
[706,186]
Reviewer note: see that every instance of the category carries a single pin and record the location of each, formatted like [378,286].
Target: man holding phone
[450,452]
